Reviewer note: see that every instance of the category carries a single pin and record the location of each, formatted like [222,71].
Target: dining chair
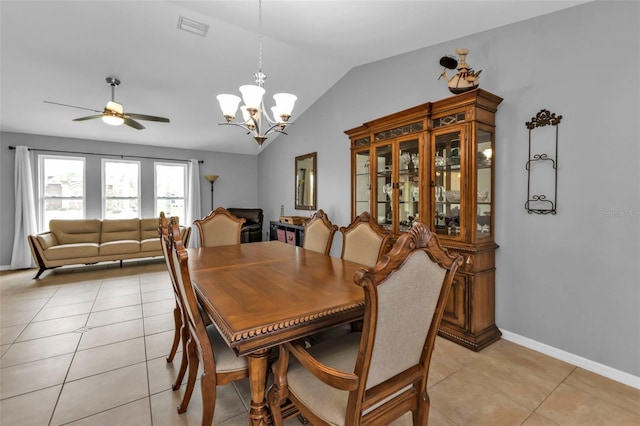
[363,241]
[205,345]
[181,333]
[379,375]
[319,232]
[219,228]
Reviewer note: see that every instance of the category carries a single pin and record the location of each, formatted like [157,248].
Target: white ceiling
[62,51]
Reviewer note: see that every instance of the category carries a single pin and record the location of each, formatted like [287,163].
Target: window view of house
[61,188]
[121,189]
[170,189]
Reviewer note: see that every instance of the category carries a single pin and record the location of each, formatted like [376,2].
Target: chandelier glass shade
[255,119]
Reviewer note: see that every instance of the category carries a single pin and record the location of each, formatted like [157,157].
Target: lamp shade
[285,102]
[277,115]
[252,96]
[228,104]
[211,178]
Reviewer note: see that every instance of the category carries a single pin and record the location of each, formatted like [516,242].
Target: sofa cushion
[119,247]
[149,229]
[71,251]
[120,229]
[151,244]
[73,231]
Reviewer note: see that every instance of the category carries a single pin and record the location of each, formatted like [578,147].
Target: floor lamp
[212,179]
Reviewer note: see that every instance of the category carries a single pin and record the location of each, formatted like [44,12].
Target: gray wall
[571,280]
[236,186]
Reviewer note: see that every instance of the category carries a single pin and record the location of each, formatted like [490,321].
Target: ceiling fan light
[252,96]
[113,120]
[285,102]
[114,107]
[228,105]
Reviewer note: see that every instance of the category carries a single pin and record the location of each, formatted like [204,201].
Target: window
[121,189]
[61,192]
[170,189]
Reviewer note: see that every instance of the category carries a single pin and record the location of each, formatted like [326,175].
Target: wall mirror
[306,179]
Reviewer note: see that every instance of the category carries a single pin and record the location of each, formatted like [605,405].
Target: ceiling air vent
[192,26]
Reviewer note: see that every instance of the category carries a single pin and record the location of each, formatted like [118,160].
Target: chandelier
[257,121]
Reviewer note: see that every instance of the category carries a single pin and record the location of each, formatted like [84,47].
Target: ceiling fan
[113,112]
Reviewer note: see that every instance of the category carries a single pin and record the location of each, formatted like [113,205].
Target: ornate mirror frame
[305,182]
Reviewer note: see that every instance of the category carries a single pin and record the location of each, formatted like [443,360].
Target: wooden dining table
[260,295]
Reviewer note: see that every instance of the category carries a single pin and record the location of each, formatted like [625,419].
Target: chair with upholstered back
[319,232]
[379,375]
[219,228]
[204,341]
[363,241]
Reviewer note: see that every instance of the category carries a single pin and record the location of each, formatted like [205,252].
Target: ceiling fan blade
[90,117]
[71,106]
[131,123]
[147,117]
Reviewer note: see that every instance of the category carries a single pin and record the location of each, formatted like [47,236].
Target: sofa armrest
[46,240]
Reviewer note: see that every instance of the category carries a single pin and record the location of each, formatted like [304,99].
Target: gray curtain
[25,214]
[193,201]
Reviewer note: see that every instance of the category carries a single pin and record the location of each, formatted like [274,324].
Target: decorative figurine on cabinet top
[466,79]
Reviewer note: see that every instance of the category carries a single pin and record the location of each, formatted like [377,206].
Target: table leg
[258,414]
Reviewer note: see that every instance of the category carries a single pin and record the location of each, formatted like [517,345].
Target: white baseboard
[5,267]
[594,367]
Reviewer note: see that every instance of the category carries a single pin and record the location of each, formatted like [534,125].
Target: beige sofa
[86,241]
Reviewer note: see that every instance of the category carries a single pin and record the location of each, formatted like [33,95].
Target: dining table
[260,295]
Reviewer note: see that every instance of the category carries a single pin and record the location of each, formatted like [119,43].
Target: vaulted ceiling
[62,51]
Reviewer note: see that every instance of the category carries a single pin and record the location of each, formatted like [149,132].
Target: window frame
[41,187]
[103,185]
[155,186]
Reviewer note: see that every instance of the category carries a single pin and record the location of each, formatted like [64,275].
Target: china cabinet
[434,163]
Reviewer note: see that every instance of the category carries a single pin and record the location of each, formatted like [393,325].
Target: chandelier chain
[260,37]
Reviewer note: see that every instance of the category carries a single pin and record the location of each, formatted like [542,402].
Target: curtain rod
[112,155]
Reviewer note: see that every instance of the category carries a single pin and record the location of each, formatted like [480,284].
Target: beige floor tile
[112,316]
[159,323]
[52,327]
[46,347]
[11,318]
[536,419]
[106,358]
[163,407]
[64,311]
[116,302]
[609,390]
[520,374]
[120,282]
[31,376]
[159,285]
[9,335]
[447,358]
[135,413]
[162,374]
[112,333]
[110,292]
[159,344]
[436,418]
[159,307]
[31,409]
[89,286]
[570,406]
[30,291]
[71,298]
[4,349]
[154,296]
[466,402]
[13,304]
[101,392]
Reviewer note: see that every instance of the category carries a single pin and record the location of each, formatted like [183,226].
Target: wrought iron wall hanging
[542,170]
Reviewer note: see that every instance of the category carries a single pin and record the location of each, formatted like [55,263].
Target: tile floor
[87,346]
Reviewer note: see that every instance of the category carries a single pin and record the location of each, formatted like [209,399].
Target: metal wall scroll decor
[542,170]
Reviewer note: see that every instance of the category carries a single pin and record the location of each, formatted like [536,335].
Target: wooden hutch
[433,163]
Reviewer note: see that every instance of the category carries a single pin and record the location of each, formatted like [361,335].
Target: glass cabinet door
[484,179]
[384,186]
[362,182]
[447,183]
[408,184]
